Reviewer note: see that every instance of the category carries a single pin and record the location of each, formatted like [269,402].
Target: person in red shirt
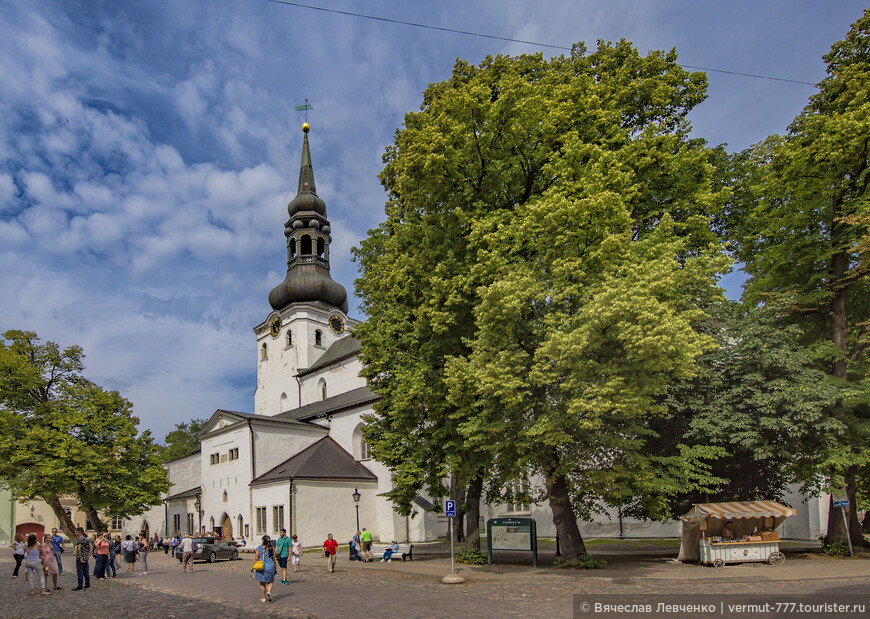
[330,551]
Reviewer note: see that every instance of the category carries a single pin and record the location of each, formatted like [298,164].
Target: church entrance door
[227,528]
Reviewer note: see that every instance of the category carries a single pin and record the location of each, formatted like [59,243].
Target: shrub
[471,557]
[837,549]
[586,562]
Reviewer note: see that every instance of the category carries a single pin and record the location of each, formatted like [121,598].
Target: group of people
[268,553]
[45,559]
[361,546]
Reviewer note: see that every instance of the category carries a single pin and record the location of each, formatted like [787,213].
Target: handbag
[259,566]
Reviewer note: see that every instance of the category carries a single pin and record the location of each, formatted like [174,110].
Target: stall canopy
[745,516]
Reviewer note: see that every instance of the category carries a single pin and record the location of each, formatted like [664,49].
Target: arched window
[282,403]
[264,352]
[322,389]
[292,248]
[318,338]
[211,524]
[320,247]
[289,338]
[241,528]
[361,449]
[306,245]
[225,496]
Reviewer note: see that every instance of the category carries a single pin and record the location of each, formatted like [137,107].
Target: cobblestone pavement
[224,589]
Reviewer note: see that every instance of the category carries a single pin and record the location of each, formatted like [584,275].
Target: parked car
[211,549]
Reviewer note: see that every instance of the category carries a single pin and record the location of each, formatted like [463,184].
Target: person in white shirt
[187,550]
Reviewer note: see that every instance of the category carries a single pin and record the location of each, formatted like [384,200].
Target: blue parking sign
[450,509]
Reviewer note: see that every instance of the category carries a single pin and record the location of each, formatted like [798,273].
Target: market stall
[720,533]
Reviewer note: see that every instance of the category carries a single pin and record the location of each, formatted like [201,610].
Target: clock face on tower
[275,326]
[336,323]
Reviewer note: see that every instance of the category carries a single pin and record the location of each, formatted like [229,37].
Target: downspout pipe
[290,514]
[299,396]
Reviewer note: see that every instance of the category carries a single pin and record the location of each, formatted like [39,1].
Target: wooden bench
[405,550]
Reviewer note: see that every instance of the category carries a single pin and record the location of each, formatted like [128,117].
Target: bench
[405,550]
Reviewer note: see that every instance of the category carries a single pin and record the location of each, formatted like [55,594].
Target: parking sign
[450,509]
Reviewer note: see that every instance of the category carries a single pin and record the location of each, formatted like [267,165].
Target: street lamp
[197,505]
[356,496]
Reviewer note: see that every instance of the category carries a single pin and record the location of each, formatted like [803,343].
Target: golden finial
[306,127]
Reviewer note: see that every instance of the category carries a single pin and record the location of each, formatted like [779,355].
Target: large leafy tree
[61,434]
[536,208]
[182,441]
[805,246]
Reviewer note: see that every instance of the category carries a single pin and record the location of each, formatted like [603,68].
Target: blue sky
[148,151]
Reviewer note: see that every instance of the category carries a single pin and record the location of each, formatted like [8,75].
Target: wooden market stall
[753,534]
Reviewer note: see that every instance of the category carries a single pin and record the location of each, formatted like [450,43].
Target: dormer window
[264,352]
[306,245]
[318,338]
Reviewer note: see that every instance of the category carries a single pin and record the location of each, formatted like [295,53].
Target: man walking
[57,546]
[83,554]
[187,550]
[282,551]
[367,544]
[330,550]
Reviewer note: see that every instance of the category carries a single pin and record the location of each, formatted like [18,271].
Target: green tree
[182,441]
[522,195]
[61,434]
[804,243]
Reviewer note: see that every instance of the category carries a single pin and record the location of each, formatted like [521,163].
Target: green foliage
[62,434]
[471,557]
[584,562]
[182,441]
[837,549]
[534,288]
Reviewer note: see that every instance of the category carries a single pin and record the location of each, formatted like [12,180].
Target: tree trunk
[570,540]
[836,527]
[91,513]
[66,523]
[472,513]
[865,524]
[457,491]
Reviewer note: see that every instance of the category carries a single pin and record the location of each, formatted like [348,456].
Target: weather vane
[305,107]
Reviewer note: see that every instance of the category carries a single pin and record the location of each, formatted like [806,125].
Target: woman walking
[110,562]
[17,547]
[33,564]
[296,554]
[266,576]
[49,562]
[143,555]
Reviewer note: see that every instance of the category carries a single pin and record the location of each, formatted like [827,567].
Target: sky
[148,151]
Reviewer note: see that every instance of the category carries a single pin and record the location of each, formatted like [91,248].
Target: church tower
[309,308]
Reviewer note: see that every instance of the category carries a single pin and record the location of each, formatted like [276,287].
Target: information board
[514,534]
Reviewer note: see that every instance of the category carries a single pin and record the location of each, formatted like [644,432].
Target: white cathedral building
[298,459]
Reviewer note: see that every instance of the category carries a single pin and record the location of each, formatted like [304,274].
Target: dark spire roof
[308,239]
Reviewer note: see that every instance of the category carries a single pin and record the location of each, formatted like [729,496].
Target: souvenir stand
[753,523]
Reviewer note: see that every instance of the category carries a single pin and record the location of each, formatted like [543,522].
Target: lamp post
[356,497]
[197,505]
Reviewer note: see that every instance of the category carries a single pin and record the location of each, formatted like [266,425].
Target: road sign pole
[452,569]
[848,534]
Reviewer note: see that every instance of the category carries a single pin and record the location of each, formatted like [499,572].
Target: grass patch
[586,562]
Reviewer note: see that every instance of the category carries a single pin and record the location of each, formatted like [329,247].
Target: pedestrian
[83,555]
[354,550]
[57,547]
[266,576]
[174,542]
[296,553]
[101,556]
[119,551]
[130,553]
[282,553]
[367,544]
[358,543]
[330,551]
[143,555]
[388,553]
[188,547]
[49,563]
[17,547]
[166,544]
[33,564]
[110,559]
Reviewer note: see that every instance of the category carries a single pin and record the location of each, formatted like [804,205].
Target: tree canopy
[61,434]
[182,441]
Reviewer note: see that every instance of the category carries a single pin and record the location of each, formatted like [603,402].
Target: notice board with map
[512,534]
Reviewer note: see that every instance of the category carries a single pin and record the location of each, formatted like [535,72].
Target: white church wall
[327,507]
[184,473]
[181,508]
[269,496]
[274,444]
[230,476]
[339,378]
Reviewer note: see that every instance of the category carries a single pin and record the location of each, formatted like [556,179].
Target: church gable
[324,460]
